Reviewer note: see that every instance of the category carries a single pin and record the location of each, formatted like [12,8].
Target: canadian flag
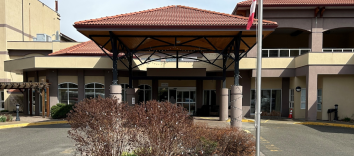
[251,18]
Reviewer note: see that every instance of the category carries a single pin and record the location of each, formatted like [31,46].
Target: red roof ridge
[70,49]
[162,8]
[299,2]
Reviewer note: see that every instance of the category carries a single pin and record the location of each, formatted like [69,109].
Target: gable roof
[88,48]
[299,2]
[173,15]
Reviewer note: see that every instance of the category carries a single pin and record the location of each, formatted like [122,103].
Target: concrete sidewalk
[30,121]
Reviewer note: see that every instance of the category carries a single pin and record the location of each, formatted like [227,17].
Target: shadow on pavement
[331,129]
[49,126]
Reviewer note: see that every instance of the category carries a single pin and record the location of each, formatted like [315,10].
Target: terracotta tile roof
[173,15]
[88,48]
[299,2]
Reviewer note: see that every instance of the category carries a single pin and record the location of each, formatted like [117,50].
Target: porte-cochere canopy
[175,31]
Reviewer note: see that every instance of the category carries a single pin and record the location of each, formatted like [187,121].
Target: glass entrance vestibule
[270,101]
[184,96]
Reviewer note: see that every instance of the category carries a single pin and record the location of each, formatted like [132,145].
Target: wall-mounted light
[298,88]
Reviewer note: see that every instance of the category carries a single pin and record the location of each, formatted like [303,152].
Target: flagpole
[259,75]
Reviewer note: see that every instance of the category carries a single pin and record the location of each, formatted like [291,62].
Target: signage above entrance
[164,84]
[178,72]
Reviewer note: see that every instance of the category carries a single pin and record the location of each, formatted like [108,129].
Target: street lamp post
[17,112]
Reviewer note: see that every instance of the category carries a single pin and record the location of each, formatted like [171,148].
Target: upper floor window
[93,90]
[68,93]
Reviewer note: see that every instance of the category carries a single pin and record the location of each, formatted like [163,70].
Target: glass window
[284,53]
[209,97]
[264,53]
[124,91]
[273,53]
[319,99]
[93,90]
[68,93]
[2,103]
[291,98]
[163,94]
[144,93]
[294,53]
[303,99]
[270,101]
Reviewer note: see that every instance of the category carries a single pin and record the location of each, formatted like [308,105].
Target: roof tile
[86,48]
[173,15]
[299,2]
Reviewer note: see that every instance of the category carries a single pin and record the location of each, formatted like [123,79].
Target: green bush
[60,110]
[4,111]
[346,119]
[3,118]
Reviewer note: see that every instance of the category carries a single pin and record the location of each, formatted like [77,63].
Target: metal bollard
[17,112]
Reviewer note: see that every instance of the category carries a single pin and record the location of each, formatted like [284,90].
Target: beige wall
[38,18]
[338,89]
[62,79]
[268,83]
[209,85]
[91,79]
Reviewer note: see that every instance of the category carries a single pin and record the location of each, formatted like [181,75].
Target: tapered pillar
[131,96]
[116,92]
[236,106]
[223,109]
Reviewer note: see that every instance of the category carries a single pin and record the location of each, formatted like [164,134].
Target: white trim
[94,88]
[67,90]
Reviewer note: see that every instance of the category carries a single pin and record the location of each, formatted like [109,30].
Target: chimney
[56,5]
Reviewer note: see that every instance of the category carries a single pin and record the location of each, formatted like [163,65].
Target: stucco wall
[62,79]
[338,89]
[268,83]
[91,79]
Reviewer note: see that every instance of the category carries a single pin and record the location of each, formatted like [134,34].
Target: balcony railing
[338,50]
[284,52]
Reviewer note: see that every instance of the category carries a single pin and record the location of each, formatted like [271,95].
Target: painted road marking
[247,131]
[269,146]
[32,124]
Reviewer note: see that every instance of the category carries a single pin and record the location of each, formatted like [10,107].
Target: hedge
[60,110]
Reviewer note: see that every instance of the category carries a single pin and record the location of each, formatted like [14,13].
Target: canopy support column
[116,90]
[236,89]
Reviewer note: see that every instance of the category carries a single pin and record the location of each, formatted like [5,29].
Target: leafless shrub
[105,127]
[98,127]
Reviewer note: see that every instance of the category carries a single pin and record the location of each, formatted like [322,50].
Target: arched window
[93,90]
[124,91]
[67,93]
[144,93]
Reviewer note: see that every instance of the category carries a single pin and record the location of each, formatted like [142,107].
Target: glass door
[2,103]
[186,97]
[33,98]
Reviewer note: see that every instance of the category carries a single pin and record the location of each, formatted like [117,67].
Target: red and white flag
[251,18]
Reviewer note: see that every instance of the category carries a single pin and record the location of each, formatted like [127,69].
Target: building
[307,58]
[27,28]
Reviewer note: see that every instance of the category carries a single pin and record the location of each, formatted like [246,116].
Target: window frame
[67,90]
[94,88]
[271,102]
[2,99]
[291,98]
[146,90]
[319,103]
[124,86]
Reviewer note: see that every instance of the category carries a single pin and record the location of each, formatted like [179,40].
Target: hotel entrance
[184,96]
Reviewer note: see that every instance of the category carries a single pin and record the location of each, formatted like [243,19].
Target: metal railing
[284,52]
[338,50]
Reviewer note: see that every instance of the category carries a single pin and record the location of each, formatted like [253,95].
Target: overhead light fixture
[298,88]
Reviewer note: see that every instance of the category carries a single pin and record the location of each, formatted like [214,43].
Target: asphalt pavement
[44,140]
[304,140]
[276,140]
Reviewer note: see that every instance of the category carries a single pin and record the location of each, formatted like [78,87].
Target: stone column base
[236,106]
[116,92]
[223,108]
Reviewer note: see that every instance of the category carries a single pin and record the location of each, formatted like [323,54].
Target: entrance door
[33,101]
[185,96]
[2,103]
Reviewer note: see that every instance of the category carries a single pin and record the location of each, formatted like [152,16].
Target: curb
[32,124]
[324,124]
[243,120]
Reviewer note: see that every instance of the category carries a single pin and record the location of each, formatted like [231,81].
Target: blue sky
[77,10]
